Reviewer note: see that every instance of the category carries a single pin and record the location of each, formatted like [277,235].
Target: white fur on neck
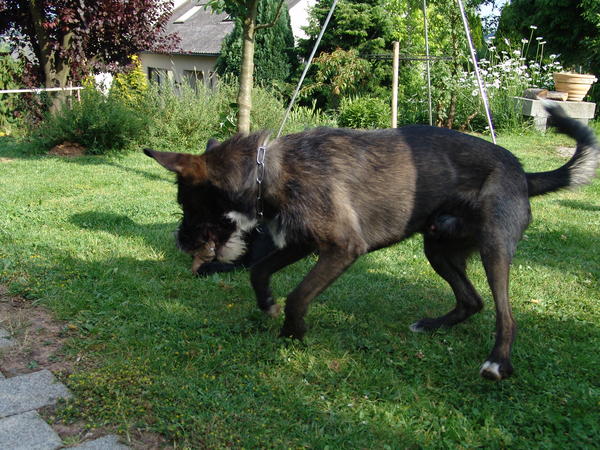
[242,221]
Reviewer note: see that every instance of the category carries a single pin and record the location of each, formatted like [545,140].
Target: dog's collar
[260,175]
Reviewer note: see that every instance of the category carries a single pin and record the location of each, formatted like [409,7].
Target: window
[160,76]
[194,78]
[213,79]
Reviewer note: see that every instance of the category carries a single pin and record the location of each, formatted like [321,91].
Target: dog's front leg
[261,274]
[331,264]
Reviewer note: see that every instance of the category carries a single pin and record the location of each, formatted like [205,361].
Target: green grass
[193,358]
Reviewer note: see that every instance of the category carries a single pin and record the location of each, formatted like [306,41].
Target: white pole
[427,61]
[479,80]
[395,65]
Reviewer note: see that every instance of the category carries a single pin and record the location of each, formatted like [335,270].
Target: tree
[569,28]
[359,33]
[591,12]
[274,56]
[247,12]
[70,37]
[365,26]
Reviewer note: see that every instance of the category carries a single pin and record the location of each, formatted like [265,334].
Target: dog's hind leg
[449,259]
[497,265]
[506,215]
[261,274]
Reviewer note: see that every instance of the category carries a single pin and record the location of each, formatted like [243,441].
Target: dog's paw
[417,327]
[425,325]
[291,330]
[496,371]
[274,310]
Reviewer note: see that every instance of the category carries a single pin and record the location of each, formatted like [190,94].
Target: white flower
[542,43]
[552,56]
[533,27]
[474,92]
[524,41]
[539,38]
[517,52]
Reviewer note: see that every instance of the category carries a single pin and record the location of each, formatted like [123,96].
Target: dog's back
[386,184]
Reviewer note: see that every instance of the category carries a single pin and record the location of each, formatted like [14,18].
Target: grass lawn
[194,359]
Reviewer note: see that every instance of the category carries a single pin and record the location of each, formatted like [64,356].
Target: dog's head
[209,228]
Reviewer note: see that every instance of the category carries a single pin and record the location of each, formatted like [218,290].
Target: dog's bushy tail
[580,169]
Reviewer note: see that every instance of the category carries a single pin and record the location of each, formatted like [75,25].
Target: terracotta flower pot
[575,84]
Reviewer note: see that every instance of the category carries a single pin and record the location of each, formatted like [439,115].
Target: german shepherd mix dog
[343,193]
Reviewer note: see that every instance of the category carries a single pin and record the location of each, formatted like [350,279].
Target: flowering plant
[507,70]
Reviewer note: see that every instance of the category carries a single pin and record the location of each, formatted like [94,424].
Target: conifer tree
[274,55]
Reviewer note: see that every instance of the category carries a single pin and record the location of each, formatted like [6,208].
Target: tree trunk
[55,70]
[247,70]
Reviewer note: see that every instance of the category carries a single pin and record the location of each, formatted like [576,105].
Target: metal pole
[395,65]
[427,61]
[479,80]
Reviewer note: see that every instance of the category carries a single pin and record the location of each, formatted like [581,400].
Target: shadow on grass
[361,379]
[569,250]
[123,225]
[219,373]
[22,149]
[11,147]
[574,204]
[111,160]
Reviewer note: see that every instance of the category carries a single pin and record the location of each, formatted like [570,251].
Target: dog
[342,193]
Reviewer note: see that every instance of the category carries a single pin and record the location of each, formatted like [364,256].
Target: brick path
[21,427]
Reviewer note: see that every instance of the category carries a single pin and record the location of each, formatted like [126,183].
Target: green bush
[131,85]
[364,112]
[183,119]
[173,118]
[303,117]
[11,71]
[99,123]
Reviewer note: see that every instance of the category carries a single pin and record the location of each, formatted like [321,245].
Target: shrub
[185,118]
[130,85]
[99,123]
[303,117]
[10,72]
[364,112]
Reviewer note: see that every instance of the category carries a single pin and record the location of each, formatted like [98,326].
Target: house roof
[201,31]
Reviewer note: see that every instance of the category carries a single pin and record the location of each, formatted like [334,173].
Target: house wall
[299,17]
[179,68]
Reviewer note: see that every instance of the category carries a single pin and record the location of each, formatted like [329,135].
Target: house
[201,34]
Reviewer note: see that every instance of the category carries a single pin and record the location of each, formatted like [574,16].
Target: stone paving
[21,427]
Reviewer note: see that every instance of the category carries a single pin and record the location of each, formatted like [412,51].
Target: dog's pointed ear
[212,144]
[190,167]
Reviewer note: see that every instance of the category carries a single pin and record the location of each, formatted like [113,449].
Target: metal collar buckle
[260,174]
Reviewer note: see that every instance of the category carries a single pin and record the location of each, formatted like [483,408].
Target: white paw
[416,328]
[491,370]
[274,310]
